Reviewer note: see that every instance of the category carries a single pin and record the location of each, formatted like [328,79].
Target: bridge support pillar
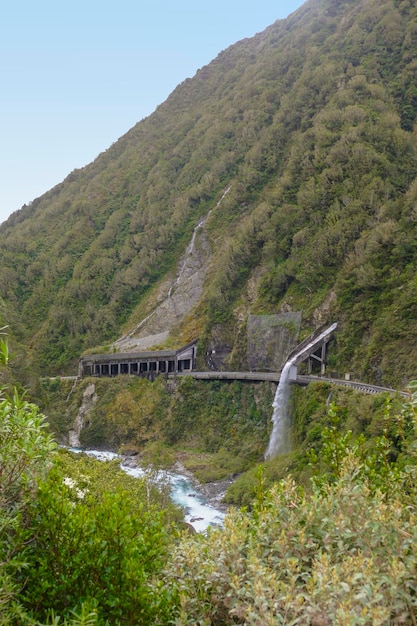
[320,356]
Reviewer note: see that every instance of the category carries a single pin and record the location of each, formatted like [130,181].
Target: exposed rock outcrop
[88,402]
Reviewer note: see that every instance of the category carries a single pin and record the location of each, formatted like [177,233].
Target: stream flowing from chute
[280,439]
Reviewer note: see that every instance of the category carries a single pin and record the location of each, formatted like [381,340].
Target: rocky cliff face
[176,297]
[89,399]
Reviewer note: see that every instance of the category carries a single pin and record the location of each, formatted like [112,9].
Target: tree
[26,451]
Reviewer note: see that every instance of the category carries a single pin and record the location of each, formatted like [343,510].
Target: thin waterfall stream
[280,439]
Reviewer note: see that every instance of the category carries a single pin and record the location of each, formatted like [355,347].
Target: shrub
[26,451]
[342,553]
[97,545]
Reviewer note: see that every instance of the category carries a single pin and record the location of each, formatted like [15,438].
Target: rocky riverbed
[213,492]
[202,503]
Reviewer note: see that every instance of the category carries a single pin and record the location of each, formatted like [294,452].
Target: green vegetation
[215,429]
[83,544]
[80,541]
[359,417]
[25,448]
[342,553]
[100,539]
[159,423]
[311,127]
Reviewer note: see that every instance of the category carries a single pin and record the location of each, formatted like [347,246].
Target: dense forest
[281,178]
[310,127]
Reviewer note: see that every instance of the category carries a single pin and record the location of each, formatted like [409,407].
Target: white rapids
[197,511]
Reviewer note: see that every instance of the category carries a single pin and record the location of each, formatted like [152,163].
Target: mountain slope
[311,126]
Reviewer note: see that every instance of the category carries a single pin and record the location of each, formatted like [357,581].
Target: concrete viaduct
[178,363]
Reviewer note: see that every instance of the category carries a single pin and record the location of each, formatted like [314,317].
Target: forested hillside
[281,178]
[311,127]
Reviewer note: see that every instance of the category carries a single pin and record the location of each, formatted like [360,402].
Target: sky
[75,76]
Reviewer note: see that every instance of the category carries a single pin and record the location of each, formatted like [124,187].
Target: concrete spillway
[280,439]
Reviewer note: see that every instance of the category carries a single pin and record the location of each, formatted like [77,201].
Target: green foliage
[236,420]
[244,491]
[85,617]
[25,447]
[342,557]
[4,348]
[100,539]
[134,415]
[362,414]
[341,553]
[81,543]
[26,451]
[377,459]
[321,415]
[309,126]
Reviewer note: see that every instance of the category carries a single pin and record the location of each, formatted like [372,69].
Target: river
[198,512]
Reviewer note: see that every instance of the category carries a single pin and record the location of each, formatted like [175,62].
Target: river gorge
[201,503]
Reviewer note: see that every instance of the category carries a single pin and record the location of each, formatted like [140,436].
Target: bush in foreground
[101,541]
[344,553]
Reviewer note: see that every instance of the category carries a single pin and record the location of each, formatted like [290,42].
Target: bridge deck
[352,384]
[274,377]
[300,380]
[254,376]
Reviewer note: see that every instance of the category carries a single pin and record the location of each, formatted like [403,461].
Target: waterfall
[280,439]
[279,442]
